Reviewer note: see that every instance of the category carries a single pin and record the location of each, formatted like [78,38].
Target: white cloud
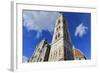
[25,59]
[81,30]
[39,20]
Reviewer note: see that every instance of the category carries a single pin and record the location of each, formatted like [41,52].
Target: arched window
[59,21]
[58,35]
[59,27]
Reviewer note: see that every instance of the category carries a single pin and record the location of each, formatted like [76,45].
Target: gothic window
[40,59]
[59,27]
[58,35]
[59,52]
[55,53]
[59,21]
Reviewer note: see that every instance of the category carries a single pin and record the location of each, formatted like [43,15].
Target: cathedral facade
[61,47]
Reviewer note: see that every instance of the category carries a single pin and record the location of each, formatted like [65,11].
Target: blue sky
[40,24]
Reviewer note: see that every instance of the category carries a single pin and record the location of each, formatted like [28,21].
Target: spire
[62,15]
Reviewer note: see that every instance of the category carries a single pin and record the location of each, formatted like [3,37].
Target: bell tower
[61,46]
